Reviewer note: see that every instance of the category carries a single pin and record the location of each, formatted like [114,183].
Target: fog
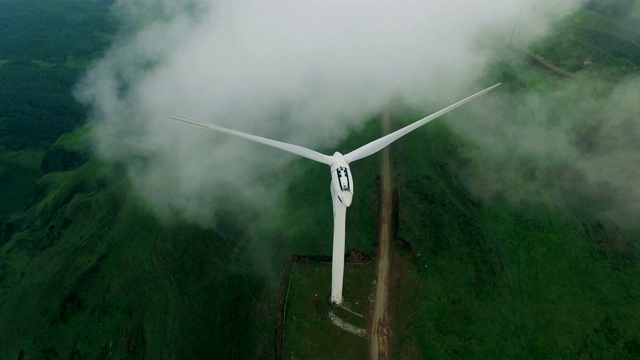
[574,146]
[305,72]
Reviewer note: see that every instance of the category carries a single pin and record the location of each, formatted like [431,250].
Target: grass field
[503,280]
[91,273]
[309,333]
[19,171]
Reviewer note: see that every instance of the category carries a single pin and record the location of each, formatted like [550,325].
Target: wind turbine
[341,179]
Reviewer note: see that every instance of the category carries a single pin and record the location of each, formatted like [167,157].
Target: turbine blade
[381,143]
[294,149]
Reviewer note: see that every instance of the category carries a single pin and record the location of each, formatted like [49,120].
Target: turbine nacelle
[341,179]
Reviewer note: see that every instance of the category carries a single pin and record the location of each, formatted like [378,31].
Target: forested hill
[44,48]
[602,34]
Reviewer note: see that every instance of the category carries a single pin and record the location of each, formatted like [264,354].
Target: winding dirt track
[380,321]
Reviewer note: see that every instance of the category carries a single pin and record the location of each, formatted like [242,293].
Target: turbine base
[334,302]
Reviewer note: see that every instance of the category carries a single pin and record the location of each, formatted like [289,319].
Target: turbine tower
[341,180]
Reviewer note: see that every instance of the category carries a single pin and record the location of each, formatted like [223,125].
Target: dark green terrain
[546,276]
[88,271]
[500,280]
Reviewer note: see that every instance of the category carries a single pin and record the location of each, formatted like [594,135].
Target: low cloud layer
[305,72]
[575,146]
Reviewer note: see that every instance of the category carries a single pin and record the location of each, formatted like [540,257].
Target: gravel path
[380,320]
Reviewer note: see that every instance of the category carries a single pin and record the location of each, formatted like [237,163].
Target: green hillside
[502,280]
[44,48]
[602,34]
[482,275]
[88,271]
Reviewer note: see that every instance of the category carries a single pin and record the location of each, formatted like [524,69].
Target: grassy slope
[505,280]
[42,45]
[87,271]
[606,35]
[501,280]
[92,273]
[19,171]
[307,313]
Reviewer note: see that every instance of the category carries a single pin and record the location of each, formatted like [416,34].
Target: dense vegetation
[44,47]
[87,271]
[604,34]
[502,280]
[540,277]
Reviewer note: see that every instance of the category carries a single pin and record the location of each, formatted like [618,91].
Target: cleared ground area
[309,331]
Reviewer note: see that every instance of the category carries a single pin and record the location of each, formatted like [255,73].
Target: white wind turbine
[341,179]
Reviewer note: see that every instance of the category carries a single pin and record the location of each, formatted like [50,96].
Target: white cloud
[300,71]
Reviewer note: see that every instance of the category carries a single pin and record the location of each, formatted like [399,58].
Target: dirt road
[380,321]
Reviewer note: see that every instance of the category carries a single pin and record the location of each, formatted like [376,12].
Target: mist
[305,72]
[574,146]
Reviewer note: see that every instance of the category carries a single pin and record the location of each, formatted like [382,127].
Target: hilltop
[88,270]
